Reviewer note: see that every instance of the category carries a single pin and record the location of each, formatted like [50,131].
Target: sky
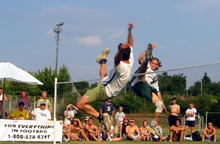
[187,32]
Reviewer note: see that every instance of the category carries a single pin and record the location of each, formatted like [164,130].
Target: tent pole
[2,114]
[55,110]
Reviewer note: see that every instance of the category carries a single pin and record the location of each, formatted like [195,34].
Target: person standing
[24,99]
[69,112]
[119,117]
[174,111]
[191,117]
[2,111]
[45,99]
[110,85]
[108,107]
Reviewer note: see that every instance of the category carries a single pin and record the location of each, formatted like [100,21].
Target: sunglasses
[43,105]
[132,121]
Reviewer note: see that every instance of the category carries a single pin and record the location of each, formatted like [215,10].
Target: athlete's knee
[159,106]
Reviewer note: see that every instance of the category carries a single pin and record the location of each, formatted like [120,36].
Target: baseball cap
[87,118]
[125,118]
[43,102]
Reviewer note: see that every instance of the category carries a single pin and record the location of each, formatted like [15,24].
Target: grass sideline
[121,142]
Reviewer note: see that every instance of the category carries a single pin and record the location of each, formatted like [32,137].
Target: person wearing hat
[122,128]
[45,99]
[24,99]
[69,112]
[41,114]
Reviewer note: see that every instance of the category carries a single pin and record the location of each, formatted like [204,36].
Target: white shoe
[106,122]
[103,55]
[109,138]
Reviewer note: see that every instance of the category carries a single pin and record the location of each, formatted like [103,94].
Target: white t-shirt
[41,115]
[69,115]
[191,111]
[151,78]
[118,77]
[120,116]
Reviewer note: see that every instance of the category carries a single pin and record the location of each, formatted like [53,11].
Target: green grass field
[120,142]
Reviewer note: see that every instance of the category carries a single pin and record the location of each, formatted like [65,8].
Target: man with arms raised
[110,85]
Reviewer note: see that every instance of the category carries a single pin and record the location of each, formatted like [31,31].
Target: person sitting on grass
[65,130]
[145,134]
[209,133]
[159,132]
[122,129]
[176,132]
[132,131]
[92,131]
[75,130]
[20,113]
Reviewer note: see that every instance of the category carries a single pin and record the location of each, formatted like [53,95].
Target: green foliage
[69,98]
[172,85]
[47,76]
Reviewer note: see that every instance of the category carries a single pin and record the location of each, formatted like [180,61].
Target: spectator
[176,132]
[191,117]
[85,122]
[122,129]
[41,114]
[75,130]
[24,99]
[119,119]
[132,131]
[44,98]
[145,135]
[92,131]
[159,132]
[2,111]
[108,107]
[69,112]
[174,111]
[209,133]
[20,113]
[65,130]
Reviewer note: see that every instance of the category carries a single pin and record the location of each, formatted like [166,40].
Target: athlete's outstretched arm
[130,37]
[118,56]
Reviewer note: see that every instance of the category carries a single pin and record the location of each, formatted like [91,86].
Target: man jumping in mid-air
[146,85]
[110,85]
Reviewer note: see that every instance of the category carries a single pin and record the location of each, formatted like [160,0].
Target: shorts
[211,138]
[97,93]
[190,123]
[172,120]
[143,89]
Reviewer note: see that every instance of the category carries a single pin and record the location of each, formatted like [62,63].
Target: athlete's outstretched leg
[148,55]
[102,59]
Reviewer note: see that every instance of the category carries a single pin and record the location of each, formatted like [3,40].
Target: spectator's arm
[50,108]
[30,108]
[38,103]
[205,132]
[178,109]
[130,37]
[5,98]
[113,113]
[214,132]
[33,117]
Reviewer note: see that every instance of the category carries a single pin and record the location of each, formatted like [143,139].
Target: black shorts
[172,120]
[190,123]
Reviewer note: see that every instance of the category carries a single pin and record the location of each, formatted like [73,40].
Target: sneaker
[106,122]
[103,55]
[151,130]
[149,53]
[65,140]
[109,138]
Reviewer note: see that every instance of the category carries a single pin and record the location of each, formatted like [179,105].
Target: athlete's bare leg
[103,71]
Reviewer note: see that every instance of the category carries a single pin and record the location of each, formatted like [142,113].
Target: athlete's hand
[131,25]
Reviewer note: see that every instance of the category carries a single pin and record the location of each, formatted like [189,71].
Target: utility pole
[57,30]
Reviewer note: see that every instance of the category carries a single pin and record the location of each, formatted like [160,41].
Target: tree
[47,76]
